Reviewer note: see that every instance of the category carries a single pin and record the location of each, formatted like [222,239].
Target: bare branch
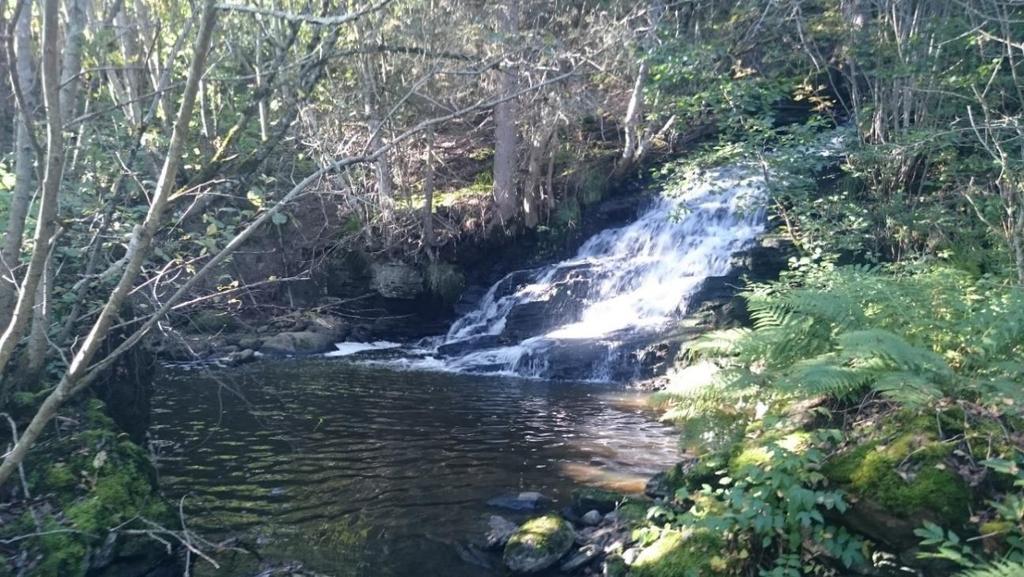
[304,18]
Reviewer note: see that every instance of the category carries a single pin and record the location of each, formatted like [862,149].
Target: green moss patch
[686,553]
[93,479]
[759,452]
[908,477]
[592,498]
[538,544]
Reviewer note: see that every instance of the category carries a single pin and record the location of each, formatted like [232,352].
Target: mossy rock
[686,553]
[94,478]
[592,498]
[907,477]
[538,544]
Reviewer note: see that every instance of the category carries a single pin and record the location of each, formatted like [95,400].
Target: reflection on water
[361,471]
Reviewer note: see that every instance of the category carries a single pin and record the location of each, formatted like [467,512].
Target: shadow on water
[363,471]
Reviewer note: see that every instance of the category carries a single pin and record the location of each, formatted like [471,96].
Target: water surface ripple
[358,470]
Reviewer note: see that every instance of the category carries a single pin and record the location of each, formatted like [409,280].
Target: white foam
[351,348]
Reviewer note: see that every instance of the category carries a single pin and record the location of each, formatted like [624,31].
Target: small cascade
[583,317]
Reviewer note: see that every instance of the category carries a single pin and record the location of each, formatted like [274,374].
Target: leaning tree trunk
[506,137]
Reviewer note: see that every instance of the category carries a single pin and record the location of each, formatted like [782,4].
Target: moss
[445,282]
[591,498]
[547,533]
[633,511]
[907,476]
[759,452]
[686,553]
[93,479]
[538,543]
[64,553]
[567,213]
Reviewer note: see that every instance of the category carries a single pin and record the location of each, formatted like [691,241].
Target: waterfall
[624,285]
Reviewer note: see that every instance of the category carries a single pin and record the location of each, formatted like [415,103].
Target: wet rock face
[538,544]
[563,303]
[396,280]
[298,343]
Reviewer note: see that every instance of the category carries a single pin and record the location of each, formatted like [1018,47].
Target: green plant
[770,504]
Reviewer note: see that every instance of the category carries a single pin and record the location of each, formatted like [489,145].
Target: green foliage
[996,569]
[913,334]
[769,505]
[1004,533]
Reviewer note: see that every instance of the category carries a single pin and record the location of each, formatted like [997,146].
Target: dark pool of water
[361,471]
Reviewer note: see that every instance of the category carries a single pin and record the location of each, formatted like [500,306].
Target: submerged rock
[526,501]
[538,544]
[501,529]
[590,498]
[593,517]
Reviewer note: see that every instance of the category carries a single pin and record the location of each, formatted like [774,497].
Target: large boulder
[397,280]
[298,343]
[538,544]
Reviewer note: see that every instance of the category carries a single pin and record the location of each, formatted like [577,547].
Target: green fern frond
[996,569]
[837,309]
[908,387]
[719,343]
[879,348]
[822,376]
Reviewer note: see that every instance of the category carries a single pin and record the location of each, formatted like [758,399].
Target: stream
[358,470]
[387,462]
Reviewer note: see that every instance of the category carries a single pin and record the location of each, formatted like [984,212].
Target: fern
[996,569]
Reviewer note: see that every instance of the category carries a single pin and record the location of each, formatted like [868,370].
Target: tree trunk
[540,147]
[46,224]
[369,75]
[142,237]
[506,137]
[428,197]
[24,171]
[38,340]
[72,66]
[634,114]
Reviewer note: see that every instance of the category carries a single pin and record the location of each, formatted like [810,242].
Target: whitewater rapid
[623,282]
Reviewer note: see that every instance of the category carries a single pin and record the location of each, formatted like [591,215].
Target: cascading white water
[623,283]
[640,275]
